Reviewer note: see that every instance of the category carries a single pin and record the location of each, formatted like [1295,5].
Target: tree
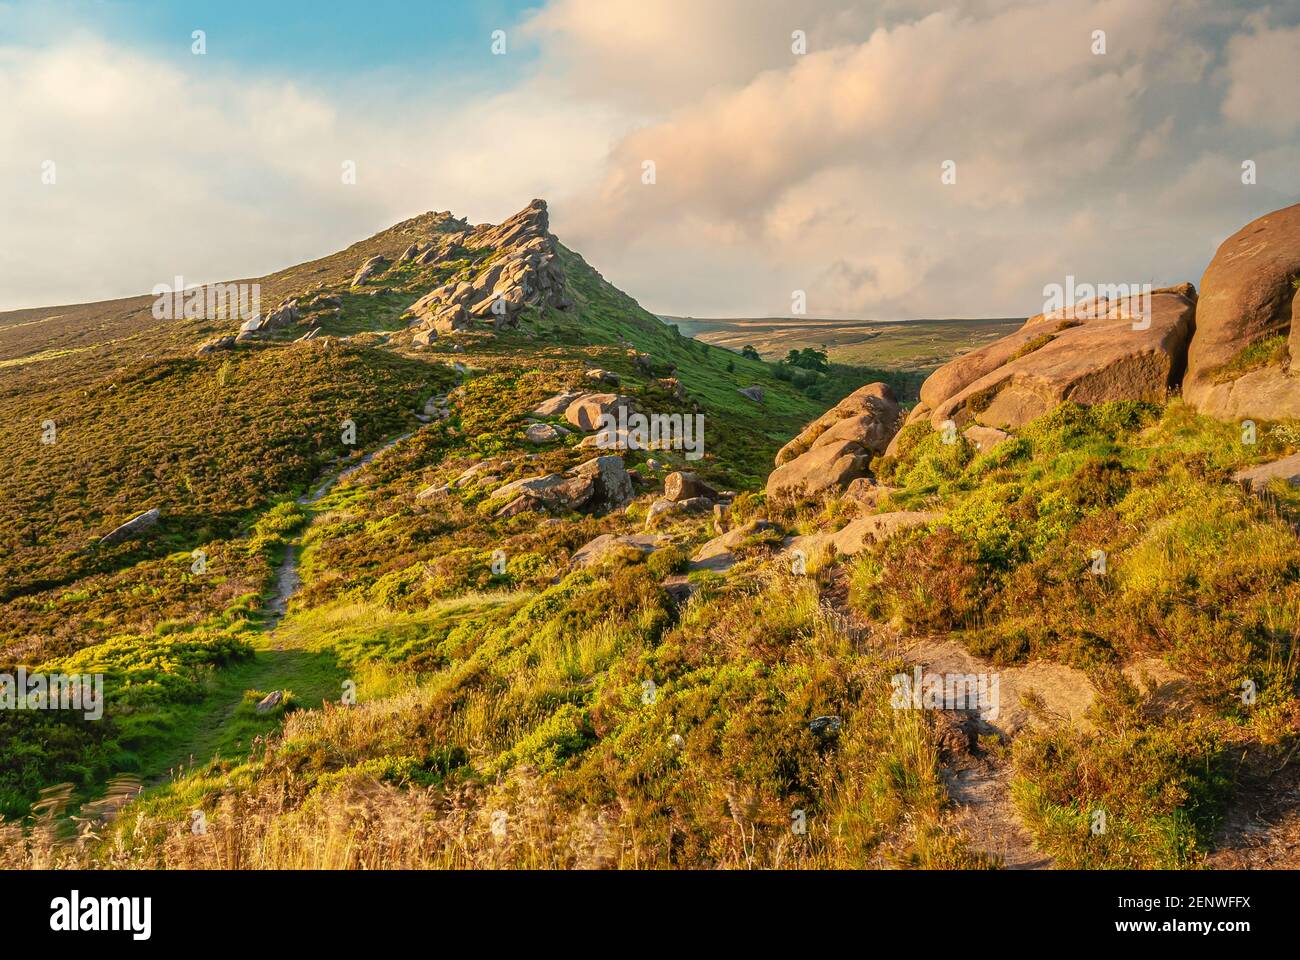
[750,353]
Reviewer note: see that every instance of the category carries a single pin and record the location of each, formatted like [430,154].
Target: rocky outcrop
[985,439]
[867,416]
[556,405]
[368,269]
[1247,295]
[524,271]
[601,483]
[837,447]
[1091,353]
[215,345]
[132,528]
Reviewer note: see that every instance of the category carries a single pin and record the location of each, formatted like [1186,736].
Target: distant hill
[919,345]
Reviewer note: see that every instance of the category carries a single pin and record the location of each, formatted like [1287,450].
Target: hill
[408,601]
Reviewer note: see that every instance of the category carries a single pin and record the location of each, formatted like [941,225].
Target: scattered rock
[132,528]
[682,485]
[556,405]
[585,412]
[861,532]
[593,551]
[985,438]
[368,269]
[543,433]
[1258,478]
[270,701]
[216,345]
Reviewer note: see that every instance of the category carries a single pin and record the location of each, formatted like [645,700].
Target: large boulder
[595,550]
[1258,478]
[601,483]
[823,468]
[868,417]
[585,412]
[683,485]
[556,405]
[1088,354]
[1247,295]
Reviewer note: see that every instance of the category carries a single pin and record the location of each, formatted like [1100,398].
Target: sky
[884,160]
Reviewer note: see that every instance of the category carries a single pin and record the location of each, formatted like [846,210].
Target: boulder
[216,345]
[985,438]
[719,553]
[595,550]
[754,393]
[601,483]
[1113,355]
[134,527]
[556,405]
[540,433]
[613,484]
[368,269]
[424,338]
[663,510]
[870,414]
[1247,296]
[604,376]
[820,469]
[682,485]
[1258,478]
[854,537]
[865,492]
[270,701]
[585,412]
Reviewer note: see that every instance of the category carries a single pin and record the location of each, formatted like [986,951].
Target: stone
[424,338]
[368,269]
[865,492]
[216,345]
[134,527]
[821,469]
[718,554]
[556,405]
[543,433]
[1258,478]
[1112,356]
[1247,296]
[586,411]
[682,485]
[593,551]
[871,413]
[604,376]
[663,510]
[985,438]
[754,393]
[861,532]
[270,701]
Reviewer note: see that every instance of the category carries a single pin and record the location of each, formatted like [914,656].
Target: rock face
[133,527]
[1247,296]
[1096,352]
[837,447]
[525,272]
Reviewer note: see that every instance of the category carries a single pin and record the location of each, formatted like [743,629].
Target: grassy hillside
[439,710]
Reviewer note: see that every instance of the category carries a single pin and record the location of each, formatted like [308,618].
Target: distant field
[901,344]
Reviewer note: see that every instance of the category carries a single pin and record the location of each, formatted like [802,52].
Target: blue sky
[310,38]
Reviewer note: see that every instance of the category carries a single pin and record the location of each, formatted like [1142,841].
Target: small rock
[270,701]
